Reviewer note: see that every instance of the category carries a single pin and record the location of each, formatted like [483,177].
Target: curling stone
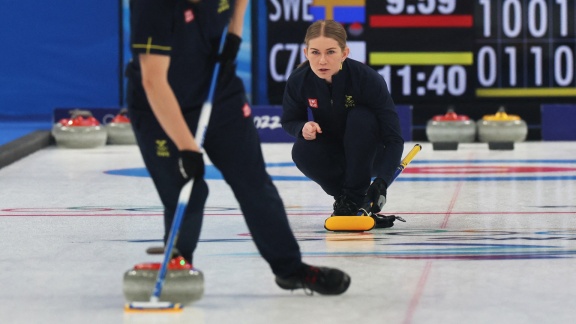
[446,131]
[501,130]
[120,130]
[183,284]
[81,130]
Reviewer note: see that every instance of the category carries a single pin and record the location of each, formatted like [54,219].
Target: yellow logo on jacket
[223,6]
[348,101]
[162,149]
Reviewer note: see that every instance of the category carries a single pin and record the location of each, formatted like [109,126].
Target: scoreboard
[432,51]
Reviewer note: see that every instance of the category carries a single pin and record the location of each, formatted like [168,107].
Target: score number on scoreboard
[468,50]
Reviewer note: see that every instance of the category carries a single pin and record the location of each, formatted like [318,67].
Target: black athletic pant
[233,145]
[343,165]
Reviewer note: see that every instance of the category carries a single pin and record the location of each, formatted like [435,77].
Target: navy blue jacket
[355,85]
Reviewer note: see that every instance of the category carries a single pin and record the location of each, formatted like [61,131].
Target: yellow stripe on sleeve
[148,46]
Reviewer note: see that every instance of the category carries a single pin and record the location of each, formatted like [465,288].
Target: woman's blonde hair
[327,28]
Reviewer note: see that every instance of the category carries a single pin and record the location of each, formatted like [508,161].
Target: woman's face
[325,57]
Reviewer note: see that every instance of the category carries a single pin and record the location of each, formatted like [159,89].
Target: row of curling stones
[183,283]
[500,131]
[82,130]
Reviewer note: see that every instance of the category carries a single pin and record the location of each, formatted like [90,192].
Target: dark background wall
[58,53]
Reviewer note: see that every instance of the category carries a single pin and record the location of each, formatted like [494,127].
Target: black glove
[191,164]
[231,48]
[228,58]
[376,195]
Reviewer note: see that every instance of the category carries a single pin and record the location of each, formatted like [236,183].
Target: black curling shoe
[323,280]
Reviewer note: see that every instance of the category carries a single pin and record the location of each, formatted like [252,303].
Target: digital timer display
[438,51]
[423,49]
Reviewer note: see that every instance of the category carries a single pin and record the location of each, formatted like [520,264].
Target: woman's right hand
[310,130]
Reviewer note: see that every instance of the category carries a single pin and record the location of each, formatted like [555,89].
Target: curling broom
[362,223]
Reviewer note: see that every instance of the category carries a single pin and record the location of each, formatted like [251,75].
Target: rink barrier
[24,146]
[266,120]
[558,122]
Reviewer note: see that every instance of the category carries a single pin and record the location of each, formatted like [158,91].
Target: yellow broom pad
[349,223]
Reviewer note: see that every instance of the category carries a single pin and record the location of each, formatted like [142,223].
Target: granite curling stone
[446,131]
[502,128]
[183,284]
[81,130]
[120,130]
